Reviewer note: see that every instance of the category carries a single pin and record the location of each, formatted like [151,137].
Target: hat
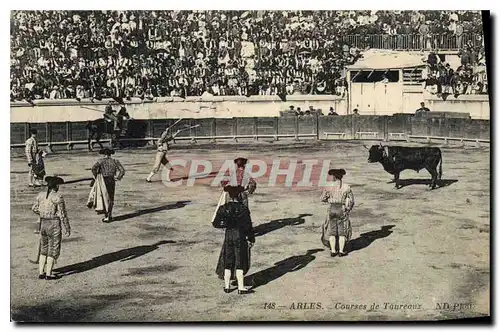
[33,131]
[234,191]
[107,151]
[53,181]
[240,162]
[337,172]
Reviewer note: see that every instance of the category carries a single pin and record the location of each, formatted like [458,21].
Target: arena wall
[381,99]
[191,107]
[231,106]
[396,127]
[477,105]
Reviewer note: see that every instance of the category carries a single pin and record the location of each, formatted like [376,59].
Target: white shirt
[54,94]
[102,62]
[225,59]
[452,27]
[216,90]
[80,93]
[247,49]
[115,26]
[252,75]
[425,73]
[42,62]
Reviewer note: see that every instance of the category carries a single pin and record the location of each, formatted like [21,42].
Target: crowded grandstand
[148,54]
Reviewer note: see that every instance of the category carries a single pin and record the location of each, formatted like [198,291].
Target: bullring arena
[156,260]
[283,89]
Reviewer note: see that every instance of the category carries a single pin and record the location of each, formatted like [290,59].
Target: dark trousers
[110,183]
[113,117]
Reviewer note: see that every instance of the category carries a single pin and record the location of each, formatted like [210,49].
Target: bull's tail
[440,166]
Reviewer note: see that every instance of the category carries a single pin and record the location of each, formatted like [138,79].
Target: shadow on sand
[410,182]
[365,239]
[68,310]
[201,176]
[120,255]
[135,164]
[291,264]
[137,213]
[78,180]
[273,225]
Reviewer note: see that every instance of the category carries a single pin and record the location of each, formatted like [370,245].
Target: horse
[101,126]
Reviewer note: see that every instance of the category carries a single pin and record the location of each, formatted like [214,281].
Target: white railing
[445,140]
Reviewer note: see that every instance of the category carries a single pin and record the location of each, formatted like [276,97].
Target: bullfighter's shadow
[273,225]
[137,213]
[201,176]
[120,255]
[409,182]
[136,164]
[78,180]
[365,239]
[291,264]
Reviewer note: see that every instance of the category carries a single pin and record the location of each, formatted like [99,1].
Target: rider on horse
[109,116]
[123,118]
[118,120]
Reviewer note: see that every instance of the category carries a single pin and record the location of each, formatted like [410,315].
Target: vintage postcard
[201,166]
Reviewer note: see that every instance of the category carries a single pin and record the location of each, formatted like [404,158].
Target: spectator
[422,109]
[442,79]
[164,53]
[332,111]
[55,93]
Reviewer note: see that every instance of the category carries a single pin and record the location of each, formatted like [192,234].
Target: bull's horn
[366,147]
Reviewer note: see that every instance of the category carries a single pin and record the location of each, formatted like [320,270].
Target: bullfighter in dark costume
[242,179]
[234,259]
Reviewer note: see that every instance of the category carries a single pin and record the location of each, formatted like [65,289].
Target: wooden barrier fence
[348,127]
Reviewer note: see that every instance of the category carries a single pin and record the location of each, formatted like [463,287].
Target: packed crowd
[469,78]
[414,29]
[147,54]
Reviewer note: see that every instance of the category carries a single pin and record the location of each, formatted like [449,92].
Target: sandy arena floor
[156,261]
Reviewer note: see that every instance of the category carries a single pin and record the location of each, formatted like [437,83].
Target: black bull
[396,159]
[132,129]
